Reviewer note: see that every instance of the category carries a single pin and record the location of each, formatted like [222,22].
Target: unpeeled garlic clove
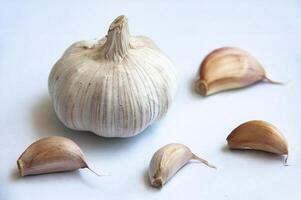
[51,154]
[168,160]
[229,68]
[258,135]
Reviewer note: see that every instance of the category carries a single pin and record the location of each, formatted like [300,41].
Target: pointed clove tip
[203,161]
[212,166]
[272,81]
[94,172]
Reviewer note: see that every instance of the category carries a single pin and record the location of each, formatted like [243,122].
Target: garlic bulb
[114,87]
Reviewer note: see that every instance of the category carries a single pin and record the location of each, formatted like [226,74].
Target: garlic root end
[201,87]
[158,183]
[20,166]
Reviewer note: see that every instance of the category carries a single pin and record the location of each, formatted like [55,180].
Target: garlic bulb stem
[118,39]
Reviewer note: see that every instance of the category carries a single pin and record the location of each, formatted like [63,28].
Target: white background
[34,34]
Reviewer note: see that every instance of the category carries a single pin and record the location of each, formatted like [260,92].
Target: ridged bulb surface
[114,87]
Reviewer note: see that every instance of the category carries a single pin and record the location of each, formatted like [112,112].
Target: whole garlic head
[114,87]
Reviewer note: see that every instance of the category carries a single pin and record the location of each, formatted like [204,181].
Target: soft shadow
[74,175]
[255,154]
[146,178]
[46,123]
[15,175]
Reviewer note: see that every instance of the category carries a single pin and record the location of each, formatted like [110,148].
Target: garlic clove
[168,160]
[258,135]
[51,154]
[229,68]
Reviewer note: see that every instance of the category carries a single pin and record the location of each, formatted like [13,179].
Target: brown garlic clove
[258,135]
[229,68]
[51,154]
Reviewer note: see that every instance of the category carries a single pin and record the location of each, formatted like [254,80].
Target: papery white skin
[114,87]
